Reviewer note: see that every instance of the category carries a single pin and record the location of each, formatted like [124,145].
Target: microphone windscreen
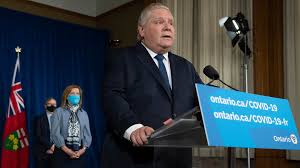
[211,73]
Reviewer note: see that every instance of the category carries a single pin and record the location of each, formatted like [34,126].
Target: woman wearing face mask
[70,130]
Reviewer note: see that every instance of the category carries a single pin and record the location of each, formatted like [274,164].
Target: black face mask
[50,108]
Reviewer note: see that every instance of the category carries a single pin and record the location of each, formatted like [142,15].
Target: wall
[122,21]
[103,6]
[86,7]
[268,68]
[49,12]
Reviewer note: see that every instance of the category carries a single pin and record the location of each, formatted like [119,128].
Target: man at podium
[145,86]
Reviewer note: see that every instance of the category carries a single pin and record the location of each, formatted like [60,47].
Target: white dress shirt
[49,114]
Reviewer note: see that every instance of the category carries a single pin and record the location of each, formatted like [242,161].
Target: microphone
[213,74]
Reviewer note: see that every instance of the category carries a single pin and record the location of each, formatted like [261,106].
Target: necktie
[162,68]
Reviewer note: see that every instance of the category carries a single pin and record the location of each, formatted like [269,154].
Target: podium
[185,131]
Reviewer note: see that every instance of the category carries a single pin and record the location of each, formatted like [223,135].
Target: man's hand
[51,150]
[139,136]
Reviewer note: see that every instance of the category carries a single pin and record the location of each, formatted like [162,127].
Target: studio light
[237,29]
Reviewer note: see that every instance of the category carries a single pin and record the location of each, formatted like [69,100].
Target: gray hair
[145,14]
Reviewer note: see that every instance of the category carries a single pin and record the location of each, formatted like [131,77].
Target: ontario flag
[15,149]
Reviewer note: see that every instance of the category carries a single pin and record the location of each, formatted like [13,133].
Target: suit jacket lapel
[45,120]
[46,126]
[150,65]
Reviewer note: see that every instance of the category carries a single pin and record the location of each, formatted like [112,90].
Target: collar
[49,114]
[73,108]
[153,54]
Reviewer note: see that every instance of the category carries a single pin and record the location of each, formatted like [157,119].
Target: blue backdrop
[54,54]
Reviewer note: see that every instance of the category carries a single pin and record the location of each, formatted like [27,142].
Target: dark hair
[48,99]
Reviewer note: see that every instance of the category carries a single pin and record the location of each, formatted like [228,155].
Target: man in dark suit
[45,146]
[145,86]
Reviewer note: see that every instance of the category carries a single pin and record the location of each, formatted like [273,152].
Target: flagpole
[17,67]
[18,51]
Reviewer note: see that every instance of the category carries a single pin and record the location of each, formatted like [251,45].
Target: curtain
[291,61]
[54,55]
[203,42]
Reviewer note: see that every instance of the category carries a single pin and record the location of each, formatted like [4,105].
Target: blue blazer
[134,92]
[59,127]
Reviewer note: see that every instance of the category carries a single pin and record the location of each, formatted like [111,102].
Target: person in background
[144,87]
[45,146]
[70,130]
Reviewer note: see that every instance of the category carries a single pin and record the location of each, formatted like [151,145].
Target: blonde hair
[67,91]
[145,15]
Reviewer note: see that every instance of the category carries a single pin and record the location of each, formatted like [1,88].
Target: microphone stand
[209,83]
[227,85]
